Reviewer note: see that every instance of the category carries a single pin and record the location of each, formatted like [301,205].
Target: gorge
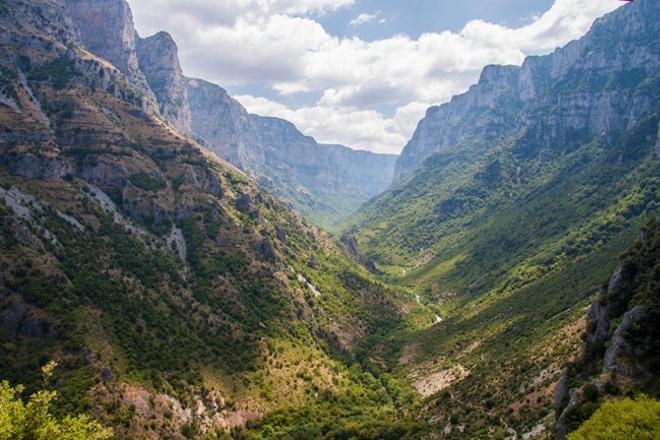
[175,267]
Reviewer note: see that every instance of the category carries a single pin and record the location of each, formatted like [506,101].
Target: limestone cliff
[219,119]
[621,344]
[105,28]
[159,61]
[324,182]
[593,87]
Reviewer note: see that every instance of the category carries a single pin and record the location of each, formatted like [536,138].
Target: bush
[147,182]
[622,419]
[33,420]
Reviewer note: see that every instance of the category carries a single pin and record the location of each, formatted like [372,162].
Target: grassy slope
[508,251]
[136,331]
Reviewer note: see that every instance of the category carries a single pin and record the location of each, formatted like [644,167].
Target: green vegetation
[367,411]
[253,320]
[626,418]
[146,182]
[635,288]
[116,308]
[508,249]
[34,420]
[59,71]
[7,77]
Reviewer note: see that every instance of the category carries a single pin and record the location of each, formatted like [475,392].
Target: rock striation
[220,120]
[324,182]
[158,58]
[593,87]
[106,29]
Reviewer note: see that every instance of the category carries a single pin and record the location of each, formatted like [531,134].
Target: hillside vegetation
[177,298]
[510,225]
[152,289]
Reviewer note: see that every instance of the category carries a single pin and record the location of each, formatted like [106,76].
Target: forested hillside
[150,289]
[176,297]
[513,203]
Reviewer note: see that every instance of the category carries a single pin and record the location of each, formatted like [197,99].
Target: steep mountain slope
[591,89]
[590,101]
[178,299]
[620,352]
[158,59]
[106,29]
[518,211]
[325,183]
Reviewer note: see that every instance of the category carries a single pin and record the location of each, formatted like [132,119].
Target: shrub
[147,182]
[33,420]
[622,418]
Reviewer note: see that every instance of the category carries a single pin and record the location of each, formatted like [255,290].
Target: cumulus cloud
[363,18]
[152,13]
[280,44]
[361,129]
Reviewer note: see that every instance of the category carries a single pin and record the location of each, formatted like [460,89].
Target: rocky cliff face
[591,87]
[324,182]
[485,112]
[621,344]
[334,167]
[159,61]
[220,120]
[106,29]
[150,64]
[156,275]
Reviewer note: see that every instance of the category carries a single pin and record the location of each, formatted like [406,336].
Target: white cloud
[360,129]
[266,107]
[151,14]
[363,18]
[278,43]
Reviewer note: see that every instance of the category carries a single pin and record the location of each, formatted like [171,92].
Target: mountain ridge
[508,98]
[177,298]
[152,66]
[324,182]
[159,61]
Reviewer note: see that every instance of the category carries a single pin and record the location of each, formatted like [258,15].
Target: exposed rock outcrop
[619,352]
[325,182]
[541,97]
[159,61]
[351,246]
[106,29]
[219,119]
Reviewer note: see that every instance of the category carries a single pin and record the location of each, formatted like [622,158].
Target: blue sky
[358,72]
[415,17]
[385,18]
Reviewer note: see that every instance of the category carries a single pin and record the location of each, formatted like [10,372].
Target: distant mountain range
[149,248]
[510,208]
[325,183]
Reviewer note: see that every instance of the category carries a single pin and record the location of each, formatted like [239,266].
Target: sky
[358,72]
